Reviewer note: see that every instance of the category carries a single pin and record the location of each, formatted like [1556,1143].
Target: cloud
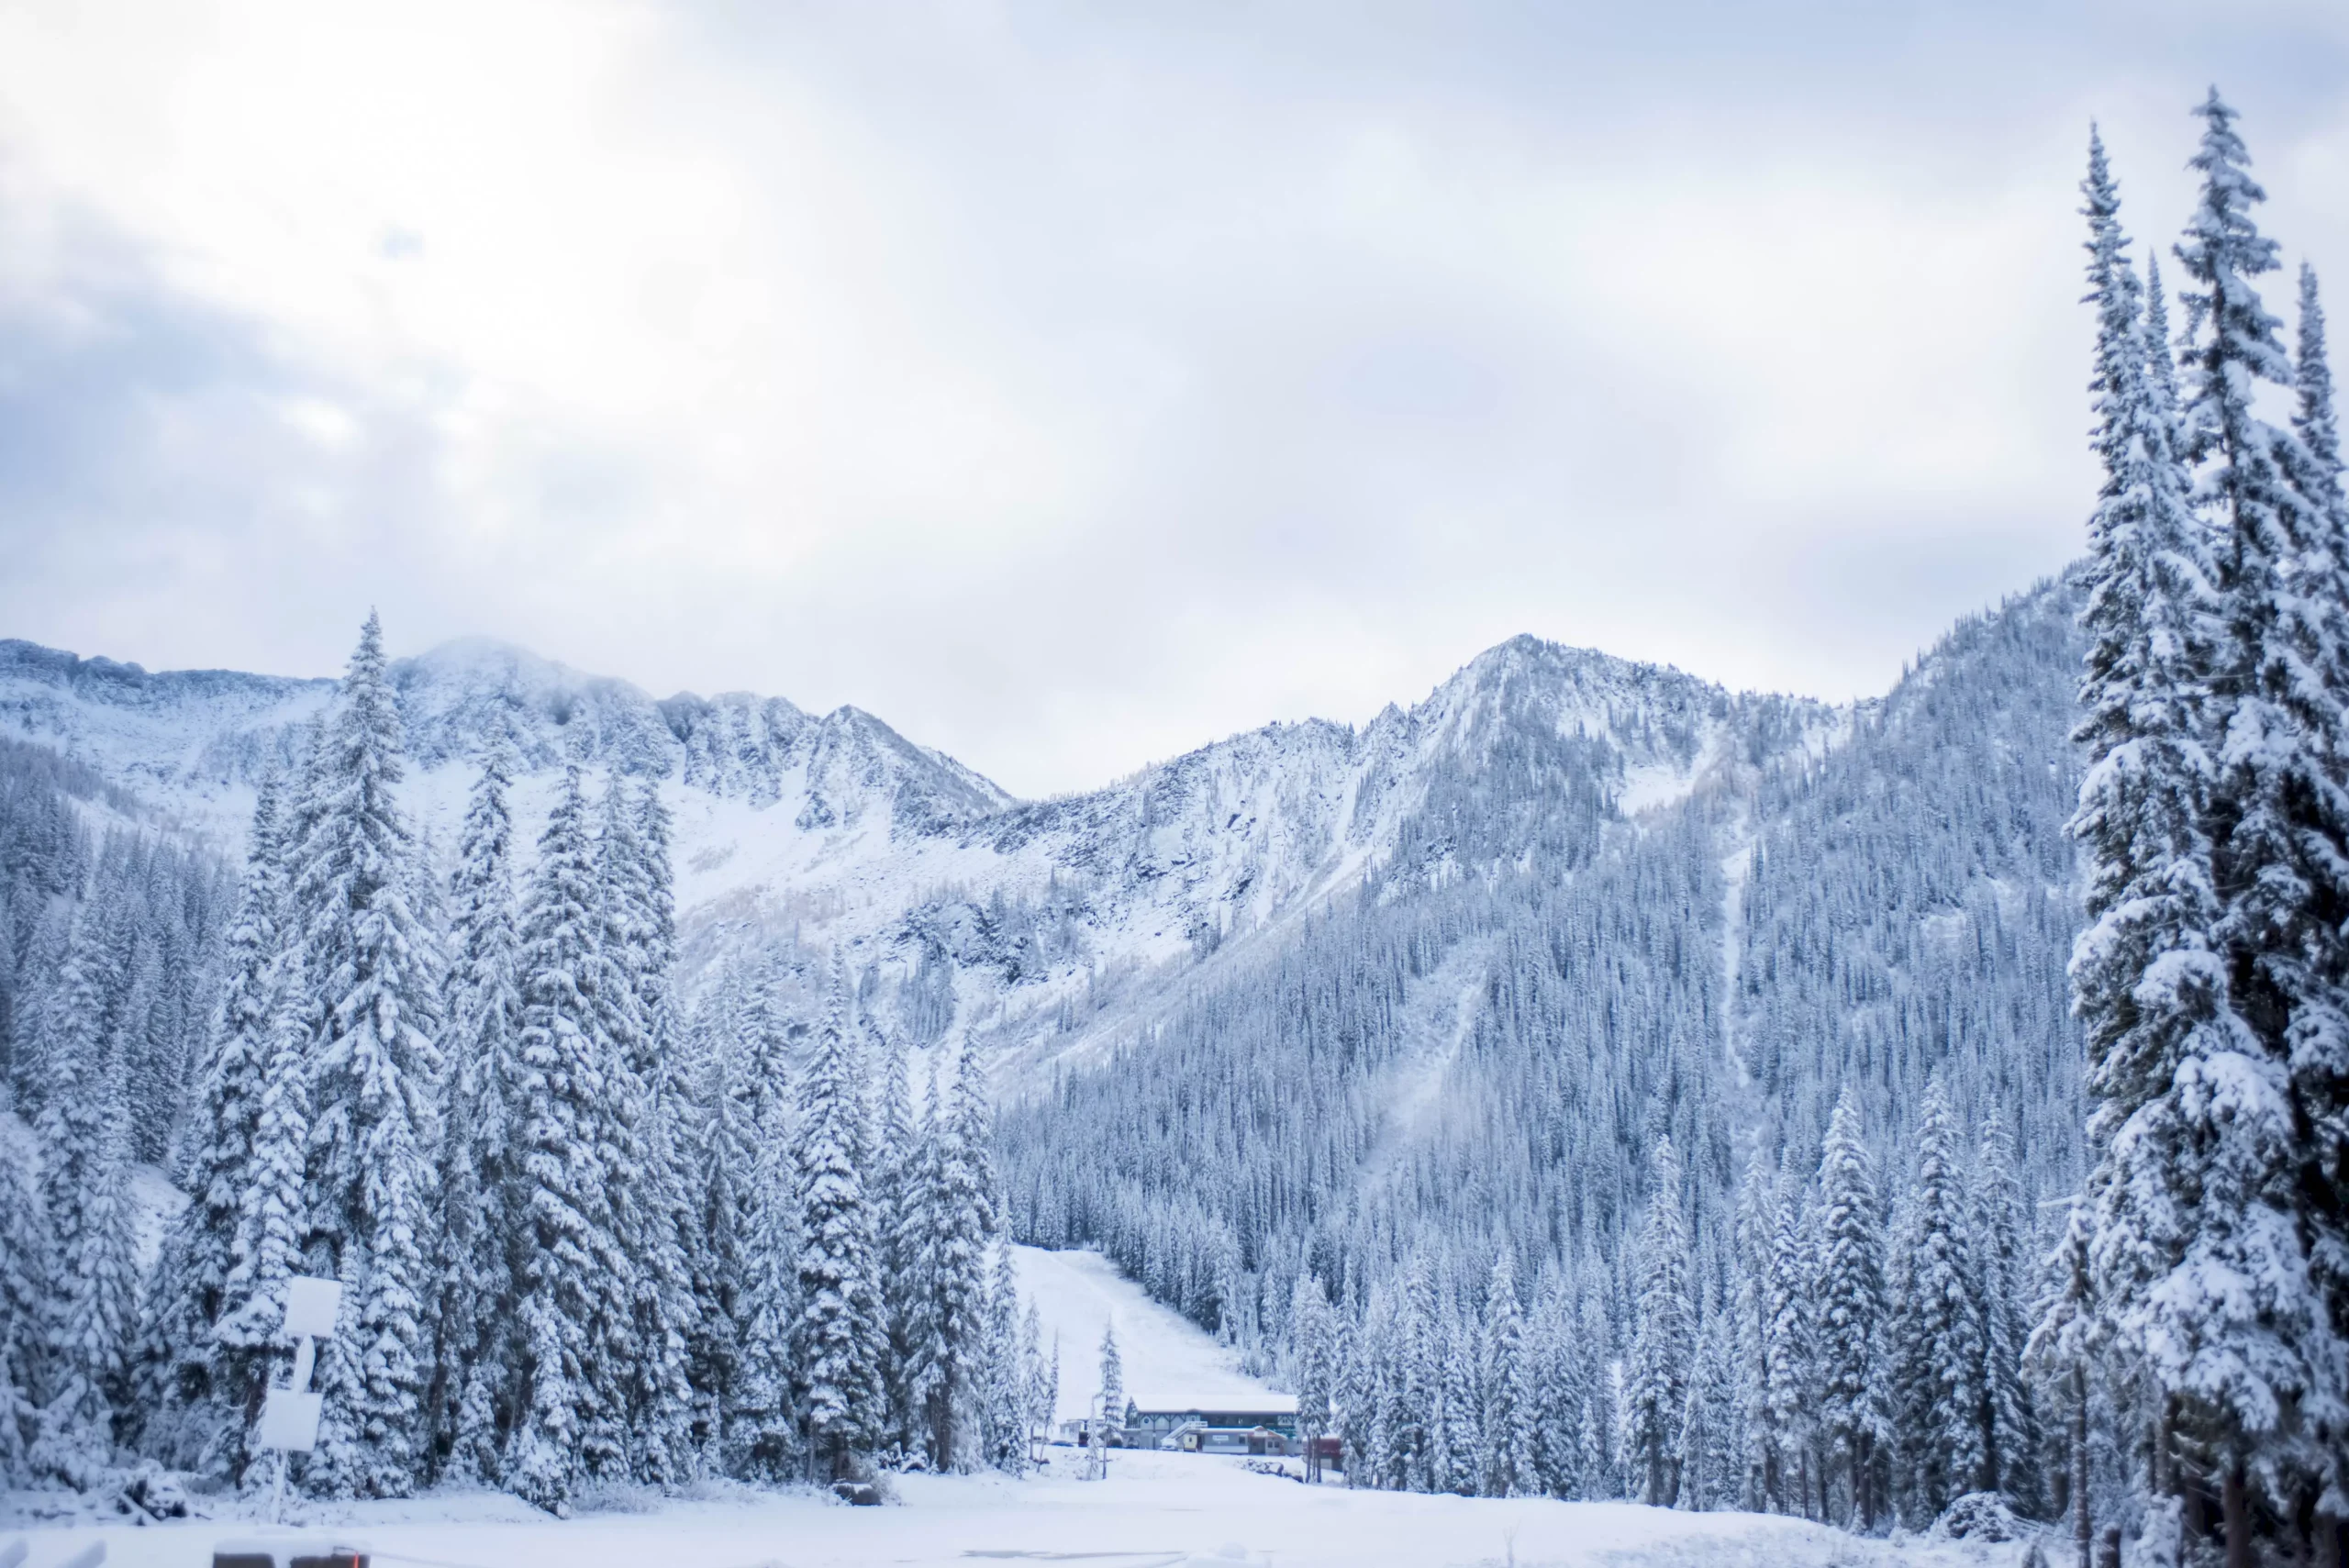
[1072,386]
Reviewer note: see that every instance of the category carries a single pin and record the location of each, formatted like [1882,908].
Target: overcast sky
[1073,385]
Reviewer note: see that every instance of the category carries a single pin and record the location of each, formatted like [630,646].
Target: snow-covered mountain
[1028,921]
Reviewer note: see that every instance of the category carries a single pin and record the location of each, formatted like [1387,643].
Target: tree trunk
[2164,1476]
[2084,1525]
[1863,1495]
[2327,1541]
[2234,1507]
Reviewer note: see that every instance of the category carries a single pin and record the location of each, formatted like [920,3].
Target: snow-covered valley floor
[1156,1510]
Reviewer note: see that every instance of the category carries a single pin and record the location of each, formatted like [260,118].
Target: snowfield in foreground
[1156,1511]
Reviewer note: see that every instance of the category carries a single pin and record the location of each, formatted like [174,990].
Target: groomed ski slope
[1168,1363]
[1156,1510]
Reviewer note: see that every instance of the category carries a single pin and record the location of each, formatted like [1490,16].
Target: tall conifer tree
[371,972]
[565,1236]
[1849,1305]
[839,1332]
[1663,1341]
[479,1183]
[191,1386]
[2231,1326]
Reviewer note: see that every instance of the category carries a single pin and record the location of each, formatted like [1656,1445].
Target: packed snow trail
[1168,1361]
[1156,1511]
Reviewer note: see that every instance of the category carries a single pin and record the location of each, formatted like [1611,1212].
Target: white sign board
[310,1307]
[289,1420]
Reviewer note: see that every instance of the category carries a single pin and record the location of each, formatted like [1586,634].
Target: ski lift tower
[289,1416]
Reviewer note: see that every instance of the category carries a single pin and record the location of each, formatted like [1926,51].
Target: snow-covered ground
[1156,1511]
[1168,1363]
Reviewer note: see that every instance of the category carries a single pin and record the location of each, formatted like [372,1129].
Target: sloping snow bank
[1169,1362]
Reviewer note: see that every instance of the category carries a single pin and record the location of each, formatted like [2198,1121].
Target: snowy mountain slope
[1042,916]
[1167,1362]
[1871,902]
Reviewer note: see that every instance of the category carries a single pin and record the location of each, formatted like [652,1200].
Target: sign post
[289,1416]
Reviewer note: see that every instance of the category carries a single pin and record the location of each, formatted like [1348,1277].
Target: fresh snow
[841,833]
[1156,1511]
[1168,1361]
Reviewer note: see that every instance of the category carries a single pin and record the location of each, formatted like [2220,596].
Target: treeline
[2206,1288]
[1864,1362]
[587,1237]
[136,910]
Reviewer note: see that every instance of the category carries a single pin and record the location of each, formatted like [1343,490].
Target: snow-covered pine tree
[1460,1433]
[1711,1456]
[191,1387]
[1663,1338]
[1417,1386]
[1357,1396]
[1559,1366]
[1848,1306]
[371,970]
[724,1161]
[2067,1346]
[917,1175]
[1315,1336]
[89,1307]
[667,1308]
[1792,1352]
[839,1332]
[2319,1063]
[1379,1455]
[2008,1419]
[1009,1367]
[617,1127]
[1750,1246]
[895,1162]
[24,1266]
[762,1423]
[479,1183]
[1510,1467]
[957,1217]
[564,1220]
[271,1221]
[1111,1380]
[644,1308]
[2148,983]
[1937,1342]
[2227,1313]
[1044,1380]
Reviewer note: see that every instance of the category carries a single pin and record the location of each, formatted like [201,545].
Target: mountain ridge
[1035,924]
